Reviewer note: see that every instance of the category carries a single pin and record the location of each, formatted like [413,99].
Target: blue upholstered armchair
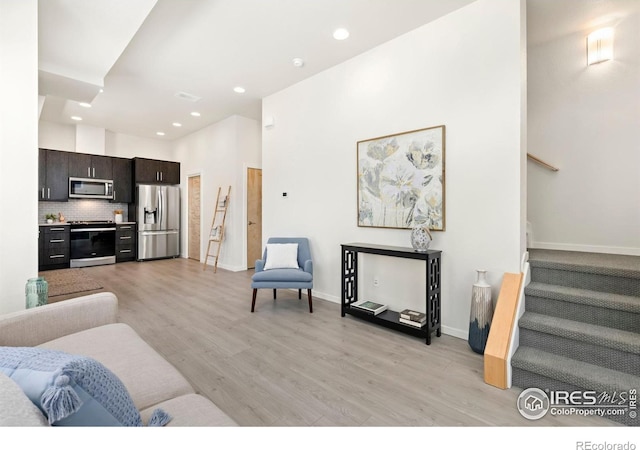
[283,270]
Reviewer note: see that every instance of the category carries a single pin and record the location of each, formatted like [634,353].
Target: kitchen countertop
[57,224]
[54,224]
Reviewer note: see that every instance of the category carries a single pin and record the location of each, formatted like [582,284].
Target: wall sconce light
[600,46]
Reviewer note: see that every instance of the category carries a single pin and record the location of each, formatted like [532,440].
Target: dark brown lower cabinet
[53,247]
[126,242]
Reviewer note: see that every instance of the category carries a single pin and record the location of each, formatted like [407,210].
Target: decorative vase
[37,292]
[420,238]
[118,218]
[481,313]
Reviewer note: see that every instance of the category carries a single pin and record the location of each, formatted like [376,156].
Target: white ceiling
[145,51]
[552,19]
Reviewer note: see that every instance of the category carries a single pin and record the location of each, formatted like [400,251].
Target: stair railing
[503,337]
[544,164]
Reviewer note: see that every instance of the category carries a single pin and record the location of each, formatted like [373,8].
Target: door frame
[195,174]
[245,213]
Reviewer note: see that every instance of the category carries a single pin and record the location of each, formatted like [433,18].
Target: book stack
[413,318]
[370,307]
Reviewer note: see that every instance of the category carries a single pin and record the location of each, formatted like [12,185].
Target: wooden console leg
[253,301]
[310,301]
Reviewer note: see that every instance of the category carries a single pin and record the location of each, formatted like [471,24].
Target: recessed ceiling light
[195,114]
[85,104]
[101,90]
[76,118]
[298,62]
[239,89]
[176,124]
[160,133]
[341,34]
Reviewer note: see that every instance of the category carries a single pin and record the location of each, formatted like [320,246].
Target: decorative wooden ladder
[216,235]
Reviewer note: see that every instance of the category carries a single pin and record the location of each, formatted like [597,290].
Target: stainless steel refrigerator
[158,220]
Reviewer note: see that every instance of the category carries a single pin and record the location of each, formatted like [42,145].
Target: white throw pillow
[281,256]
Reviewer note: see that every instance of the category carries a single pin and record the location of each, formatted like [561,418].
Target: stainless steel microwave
[90,188]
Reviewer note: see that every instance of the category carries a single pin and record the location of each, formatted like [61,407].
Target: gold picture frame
[401,180]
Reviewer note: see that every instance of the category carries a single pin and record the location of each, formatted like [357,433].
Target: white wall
[464,71]
[57,136]
[90,139]
[18,149]
[218,154]
[127,146]
[584,120]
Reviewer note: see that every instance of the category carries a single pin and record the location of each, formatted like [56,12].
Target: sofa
[88,326]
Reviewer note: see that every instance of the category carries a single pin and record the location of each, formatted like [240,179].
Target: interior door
[254,216]
[194,217]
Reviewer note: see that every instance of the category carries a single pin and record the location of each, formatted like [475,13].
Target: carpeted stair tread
[625,341]
[597,263]
[584,296]
[570,371]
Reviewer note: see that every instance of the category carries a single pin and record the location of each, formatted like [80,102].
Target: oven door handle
[78,230]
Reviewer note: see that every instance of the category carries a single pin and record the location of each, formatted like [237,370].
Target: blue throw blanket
[73,390]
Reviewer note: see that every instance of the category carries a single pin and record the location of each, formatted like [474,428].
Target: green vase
[37,292]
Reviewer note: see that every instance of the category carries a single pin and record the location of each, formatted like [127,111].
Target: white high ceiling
[145,51]
[552,19]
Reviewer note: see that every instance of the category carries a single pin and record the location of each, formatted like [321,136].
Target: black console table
[391,318]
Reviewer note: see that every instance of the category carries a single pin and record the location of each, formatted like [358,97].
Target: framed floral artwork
[401,180]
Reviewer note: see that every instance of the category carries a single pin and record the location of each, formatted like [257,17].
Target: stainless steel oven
[92,243]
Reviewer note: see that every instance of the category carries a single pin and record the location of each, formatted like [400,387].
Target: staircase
[581,328]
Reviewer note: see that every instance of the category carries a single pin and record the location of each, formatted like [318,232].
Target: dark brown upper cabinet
[154,171]
[84,165]
[53,177]
[122,180]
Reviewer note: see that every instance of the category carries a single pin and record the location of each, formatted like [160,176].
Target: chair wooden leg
[310,302]
[253,301]
[274,294]
[299,294]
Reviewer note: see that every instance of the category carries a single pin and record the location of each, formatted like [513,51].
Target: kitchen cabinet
[54,247]
[170,172]
[122,180]
[53,177]
[84,165]
[125,242]
[154,171]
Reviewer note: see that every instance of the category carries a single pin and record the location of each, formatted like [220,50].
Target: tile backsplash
[82,209]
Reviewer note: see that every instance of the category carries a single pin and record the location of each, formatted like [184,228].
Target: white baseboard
[228,267]
[455,332]
[587,248]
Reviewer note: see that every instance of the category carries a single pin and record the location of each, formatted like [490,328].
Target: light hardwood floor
[282,366]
